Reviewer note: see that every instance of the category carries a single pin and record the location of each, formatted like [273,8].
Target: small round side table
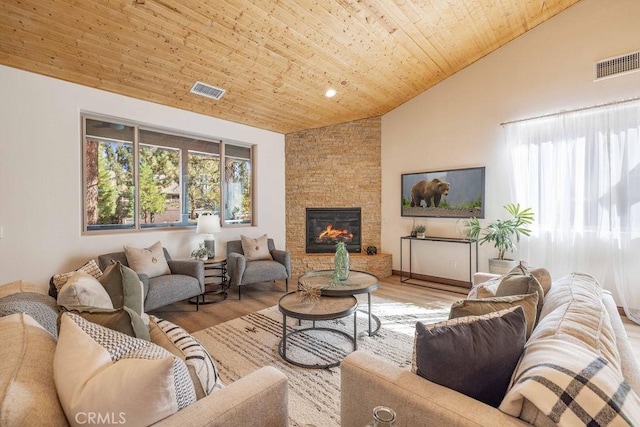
[215,281]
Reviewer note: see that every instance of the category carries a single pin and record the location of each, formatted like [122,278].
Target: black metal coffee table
[358,282]
[324,309]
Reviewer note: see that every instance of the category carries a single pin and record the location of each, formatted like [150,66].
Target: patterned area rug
[245,344]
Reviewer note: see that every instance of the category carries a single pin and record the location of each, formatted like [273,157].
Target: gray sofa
[28,393]
[368,381]
[185,281]
[243,272]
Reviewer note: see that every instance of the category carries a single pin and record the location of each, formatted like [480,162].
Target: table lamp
[209,224]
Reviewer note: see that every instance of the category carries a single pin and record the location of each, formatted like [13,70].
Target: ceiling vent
[209,91]
[617,66]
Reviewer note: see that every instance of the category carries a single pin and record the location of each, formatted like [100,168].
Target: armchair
[243,272]
[185,281]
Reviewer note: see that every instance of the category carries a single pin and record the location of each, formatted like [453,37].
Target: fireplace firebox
[328,226]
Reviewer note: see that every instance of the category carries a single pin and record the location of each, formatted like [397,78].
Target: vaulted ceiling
[275,59]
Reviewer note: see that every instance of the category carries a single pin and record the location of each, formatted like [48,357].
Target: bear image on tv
[426,191]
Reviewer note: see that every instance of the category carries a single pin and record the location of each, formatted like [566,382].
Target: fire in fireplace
[333,235]
[328,226]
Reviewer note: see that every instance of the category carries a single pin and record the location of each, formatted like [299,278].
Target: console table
[472,243]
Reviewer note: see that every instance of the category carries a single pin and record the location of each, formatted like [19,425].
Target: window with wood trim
[135,177]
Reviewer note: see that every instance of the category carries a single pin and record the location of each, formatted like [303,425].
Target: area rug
[243,345]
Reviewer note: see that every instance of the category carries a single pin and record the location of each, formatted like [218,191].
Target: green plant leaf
[503,232]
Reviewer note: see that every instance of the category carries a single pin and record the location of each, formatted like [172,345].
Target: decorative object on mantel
[413,229]
[209,224]
[502,234]
[202,253]
[341,262]
[372,250]
[420,230]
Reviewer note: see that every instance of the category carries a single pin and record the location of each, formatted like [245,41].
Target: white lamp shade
[208,224]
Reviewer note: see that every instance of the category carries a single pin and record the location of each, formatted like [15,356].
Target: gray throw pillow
[474,355]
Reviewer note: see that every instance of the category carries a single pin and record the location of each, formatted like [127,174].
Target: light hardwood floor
[257,297]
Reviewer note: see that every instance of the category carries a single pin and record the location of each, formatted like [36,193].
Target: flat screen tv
[452,193]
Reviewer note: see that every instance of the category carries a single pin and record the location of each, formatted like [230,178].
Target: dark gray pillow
[42,308]
[474,355]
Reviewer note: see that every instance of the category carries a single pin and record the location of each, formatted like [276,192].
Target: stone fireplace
[336,166]
[328,226]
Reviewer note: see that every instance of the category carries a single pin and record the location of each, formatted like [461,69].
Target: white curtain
[580,172]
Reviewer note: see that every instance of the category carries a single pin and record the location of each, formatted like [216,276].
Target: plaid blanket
[571,385]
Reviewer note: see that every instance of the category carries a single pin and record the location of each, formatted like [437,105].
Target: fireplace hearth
[328,226]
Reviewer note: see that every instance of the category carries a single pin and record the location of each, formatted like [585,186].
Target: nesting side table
[324,309]
[215,281]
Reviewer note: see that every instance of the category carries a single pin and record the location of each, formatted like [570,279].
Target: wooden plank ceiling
[275,59]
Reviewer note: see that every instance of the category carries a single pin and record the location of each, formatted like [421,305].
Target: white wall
[456,124]
[40,193]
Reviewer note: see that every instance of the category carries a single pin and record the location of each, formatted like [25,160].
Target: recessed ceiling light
[330,93]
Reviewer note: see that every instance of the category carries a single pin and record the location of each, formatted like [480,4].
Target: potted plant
[504,234]
[202,253]
[419,230]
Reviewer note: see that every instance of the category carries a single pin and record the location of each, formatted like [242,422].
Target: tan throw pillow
[180,343]
[150,261]
[101,371]
[543,277]
[488,289]
[255,249]
[484,291]
[90,267]
[520,281]
[82,289]
[121,319]
[478,307]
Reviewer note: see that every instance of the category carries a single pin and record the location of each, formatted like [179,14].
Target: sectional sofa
[30,396]
[579,324]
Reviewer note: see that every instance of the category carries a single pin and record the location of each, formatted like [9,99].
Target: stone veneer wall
[337,166]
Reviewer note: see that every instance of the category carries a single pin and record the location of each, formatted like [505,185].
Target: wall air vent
[209,91]
[617,66]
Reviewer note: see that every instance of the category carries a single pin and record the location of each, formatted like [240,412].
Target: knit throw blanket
[41,307]
[572,386]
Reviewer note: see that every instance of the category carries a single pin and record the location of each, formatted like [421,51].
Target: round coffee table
[324,309]
[358,282]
